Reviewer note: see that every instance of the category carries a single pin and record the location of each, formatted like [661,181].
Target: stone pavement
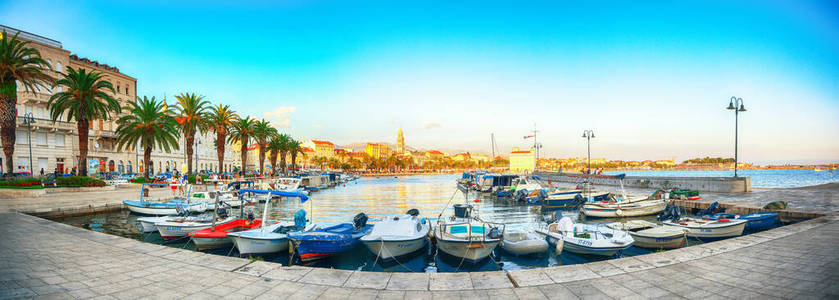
[54,203]
[45,259]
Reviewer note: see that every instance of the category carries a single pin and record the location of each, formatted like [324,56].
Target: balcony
[48,124]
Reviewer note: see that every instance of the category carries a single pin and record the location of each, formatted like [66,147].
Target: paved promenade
[45,259]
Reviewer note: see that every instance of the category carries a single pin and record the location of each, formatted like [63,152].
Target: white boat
[466,237]
[524,243]
[704,228]
[398,236]
[175,228]
[623,206]
[287,184]
[146,224]
[268,238]
[586,238]
[650,235]
[163,208]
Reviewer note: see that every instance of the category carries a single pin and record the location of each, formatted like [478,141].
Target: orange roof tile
[322,143]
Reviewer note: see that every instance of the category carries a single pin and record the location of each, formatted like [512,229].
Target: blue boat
[757,221]
[323,242]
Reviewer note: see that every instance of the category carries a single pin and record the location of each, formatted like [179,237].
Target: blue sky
[651,79]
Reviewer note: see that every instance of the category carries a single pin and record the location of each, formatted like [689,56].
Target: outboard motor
[359,221]
[671,212]
[521,195]
[222,212]
[300,219]
[579,199]
[542,195]
[494,233]
[250,217]
[462,210]
[182,211]
[712,209]
[413,212]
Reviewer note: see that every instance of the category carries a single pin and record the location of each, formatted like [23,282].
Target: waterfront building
[400,142]
[55,145]
[433,154]
[522,160]
[461,157]
[377,150]
[321,148]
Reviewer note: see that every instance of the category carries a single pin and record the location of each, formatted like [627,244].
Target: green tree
[191,110]
[150,124]
[21,64]
[220,119]
[275,146]
[262,133]
[241,132]
[283,149]
[294,148]
[84,98]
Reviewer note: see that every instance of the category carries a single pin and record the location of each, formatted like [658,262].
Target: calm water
[760,178]
[379,197]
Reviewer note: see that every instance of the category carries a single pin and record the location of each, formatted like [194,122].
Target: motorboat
[217,235]
[176,228]
[320,242]
[465,236]
[524,243]
[756,221]
[397,236]
[650,235]
[621,207]
[287,184]
[708,228]
[268,238]
[163,208]
[586,238]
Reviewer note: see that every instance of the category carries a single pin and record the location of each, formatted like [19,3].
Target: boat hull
[627,210]
[735,229]
[146,226]
[389,250]
[526,247]
[168,231]
[206,243]
[248,245]
[661,242]
[152,210]
[470,252]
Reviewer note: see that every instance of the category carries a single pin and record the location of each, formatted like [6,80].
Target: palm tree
[191,109]
[150,124]
[284,140]
[84,98]
[241,132]
[220,119]
[18,64]
[275,146]
[294,148]
[262,133]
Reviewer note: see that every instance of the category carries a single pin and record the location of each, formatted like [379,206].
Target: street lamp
[28,120]
[588,134]
[733,105]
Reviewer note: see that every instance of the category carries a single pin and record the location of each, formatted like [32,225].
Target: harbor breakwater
[702,184]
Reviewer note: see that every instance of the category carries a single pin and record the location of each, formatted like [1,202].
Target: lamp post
[588,134]
[28,120]
[736,104]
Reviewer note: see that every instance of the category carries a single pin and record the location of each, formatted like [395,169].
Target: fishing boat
[217,235]
[317,242]
[586,238]
[756,221]
[706,228]
[684,194]
[623,208]
[288,184]
[466,237]
[398,236]
[523,243]
[650,235]
[268,238]
[162,208]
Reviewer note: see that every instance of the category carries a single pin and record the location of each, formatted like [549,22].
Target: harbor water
[791,178]
[378,197]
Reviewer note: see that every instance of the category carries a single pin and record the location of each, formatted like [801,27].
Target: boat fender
[559,244]
[413,212]
[619,212]
[422,221]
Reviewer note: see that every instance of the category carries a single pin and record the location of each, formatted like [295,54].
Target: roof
[306,149]
[520,152]
[316,142]
[434,152]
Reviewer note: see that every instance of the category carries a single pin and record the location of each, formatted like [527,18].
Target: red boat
[215,237]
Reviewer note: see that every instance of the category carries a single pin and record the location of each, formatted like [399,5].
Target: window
[126,90]
[42,164]
[58,67]
[59,139]
[22,164]
[41,138]
[49,63]
[20,137]
[117,88]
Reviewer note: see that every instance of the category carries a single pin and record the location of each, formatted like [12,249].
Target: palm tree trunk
[146,159]
[261,158]
[83,126]
[293,158]
[190,138]
[8,99]
[220,151]
[282,160]
[274,162]
[244,154]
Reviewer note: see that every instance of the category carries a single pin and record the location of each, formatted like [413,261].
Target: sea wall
[703,184]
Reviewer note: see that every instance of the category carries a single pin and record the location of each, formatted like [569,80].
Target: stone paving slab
[43,259]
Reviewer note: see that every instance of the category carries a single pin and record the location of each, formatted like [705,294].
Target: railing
[47,123]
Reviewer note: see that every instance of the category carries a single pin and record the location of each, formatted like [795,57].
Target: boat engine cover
[360,220]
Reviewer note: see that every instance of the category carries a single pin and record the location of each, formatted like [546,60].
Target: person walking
[42,172]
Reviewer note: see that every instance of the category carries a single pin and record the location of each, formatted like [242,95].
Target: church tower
[400,142]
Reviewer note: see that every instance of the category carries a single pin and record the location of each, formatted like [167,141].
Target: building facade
[400,142]
[321,148]
[55,145]
[522,161]
[377,150]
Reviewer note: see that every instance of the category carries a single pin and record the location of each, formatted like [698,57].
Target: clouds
[281,116]
[431,125]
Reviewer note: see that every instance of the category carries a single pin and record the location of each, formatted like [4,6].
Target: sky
[651,79]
